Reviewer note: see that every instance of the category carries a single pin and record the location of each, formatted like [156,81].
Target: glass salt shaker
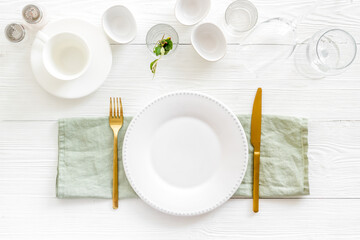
[34,15]
[15,32]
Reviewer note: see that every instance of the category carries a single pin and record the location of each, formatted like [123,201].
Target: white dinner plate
[185,153]
[99,67]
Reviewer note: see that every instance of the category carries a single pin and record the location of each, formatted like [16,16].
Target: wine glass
[270,41]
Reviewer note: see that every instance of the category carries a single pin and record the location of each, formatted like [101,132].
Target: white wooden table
[28,130]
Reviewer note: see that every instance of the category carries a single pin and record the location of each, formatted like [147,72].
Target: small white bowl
[209,41]
[190,12]
[119,24]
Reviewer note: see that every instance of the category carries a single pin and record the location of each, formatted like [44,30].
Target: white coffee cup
[66,56]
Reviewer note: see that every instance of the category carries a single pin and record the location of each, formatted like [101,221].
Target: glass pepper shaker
[15,32]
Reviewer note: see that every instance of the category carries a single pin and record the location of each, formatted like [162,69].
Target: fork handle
[115,172]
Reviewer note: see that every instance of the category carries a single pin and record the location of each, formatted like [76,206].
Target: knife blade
[255,139]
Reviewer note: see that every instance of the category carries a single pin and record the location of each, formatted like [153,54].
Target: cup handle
[42,37]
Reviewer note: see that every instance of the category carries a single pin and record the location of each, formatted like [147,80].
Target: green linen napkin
[86,150]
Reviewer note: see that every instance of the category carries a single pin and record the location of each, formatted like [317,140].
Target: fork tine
[117,109]
[114,113]
[110,114]
[121,109]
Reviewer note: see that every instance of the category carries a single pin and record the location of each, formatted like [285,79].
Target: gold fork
[116,122]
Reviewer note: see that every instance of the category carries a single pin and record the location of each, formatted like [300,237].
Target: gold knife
[255,139]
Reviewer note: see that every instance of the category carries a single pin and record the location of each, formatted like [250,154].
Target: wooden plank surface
[329,13]
[28,129]
[93,219]
[226,80]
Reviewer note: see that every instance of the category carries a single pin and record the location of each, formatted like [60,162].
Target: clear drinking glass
[327,52]
[158,32]
[241,16]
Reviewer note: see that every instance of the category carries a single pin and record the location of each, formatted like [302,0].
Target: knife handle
[256,181]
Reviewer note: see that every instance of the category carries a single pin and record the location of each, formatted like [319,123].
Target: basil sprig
[161,48]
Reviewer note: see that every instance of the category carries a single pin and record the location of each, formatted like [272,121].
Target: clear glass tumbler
[241,16]
[327,52]
[159,31]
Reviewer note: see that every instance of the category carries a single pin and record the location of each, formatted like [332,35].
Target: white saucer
[99,67]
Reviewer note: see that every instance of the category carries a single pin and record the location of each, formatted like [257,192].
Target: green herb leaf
[169,45]
[157,50]
[153,66]
[163,46]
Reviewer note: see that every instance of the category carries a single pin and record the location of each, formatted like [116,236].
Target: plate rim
[126,143]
